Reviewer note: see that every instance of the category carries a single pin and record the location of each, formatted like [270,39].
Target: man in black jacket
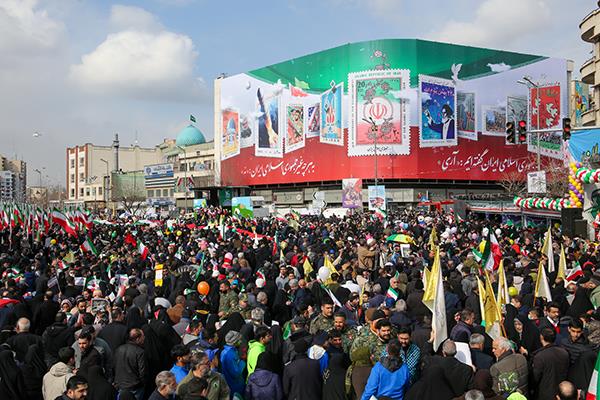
[577,345]
[57,336]
[130,364]
[479,358]
[23,339]
[458,375]
[115,333]
[44,315]
[550,366]
[302,377]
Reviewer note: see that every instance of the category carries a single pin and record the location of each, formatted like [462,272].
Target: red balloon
[203,288]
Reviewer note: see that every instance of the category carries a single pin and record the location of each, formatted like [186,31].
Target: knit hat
[233,338]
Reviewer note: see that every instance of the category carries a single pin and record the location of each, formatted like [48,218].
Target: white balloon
[323,273]
[498,232]
[453,230]
[248,85]
[485,231]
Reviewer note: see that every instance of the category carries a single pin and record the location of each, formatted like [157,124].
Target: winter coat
[302,379]
[461,332]
[55,337]
[254,350]
[115,334]
[130,366]
[507,363]
[388,378]
[232,368]
[54,382]
[263,385]
[549,367]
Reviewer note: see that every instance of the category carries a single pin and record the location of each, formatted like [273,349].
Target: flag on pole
[491,254]
[562,264]
[142,249]
[548,251]
[392,293]
[592,392]
[329,265]
[64,222]
[296,91]
[542,288]
[433,298]
[490,315]
[331,295]
[433,239]
[503,296]
[307,267]
[88,246]
[574,273]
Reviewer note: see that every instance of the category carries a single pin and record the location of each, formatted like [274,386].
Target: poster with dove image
[545,101]
[230,141]
[379,117]
[437,106]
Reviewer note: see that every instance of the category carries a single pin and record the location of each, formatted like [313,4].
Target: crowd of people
[218,307]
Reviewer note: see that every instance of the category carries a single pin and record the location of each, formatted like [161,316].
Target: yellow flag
[503,296]
[562,264]
[307,267]
[426,275]
[491,315]
[433,239]
[69,257]
[542,288]
[546,241]
[329,265]
[433,298]
[158,275]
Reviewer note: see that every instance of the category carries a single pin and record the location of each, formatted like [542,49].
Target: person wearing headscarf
[34,370]
[98,386]
[12,384]
[526,335]
[264,383]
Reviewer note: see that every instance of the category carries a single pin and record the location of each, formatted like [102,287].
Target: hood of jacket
[60,369]
[391,364]
[254,344]
[56,329]
[263,378]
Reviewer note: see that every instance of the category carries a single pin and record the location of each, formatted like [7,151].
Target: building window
[165,192]
[208,164]
[93,191]
[87,192]
[81,161]
[183,167]
[72,163]
[80,192]
[81,177]
[99,191]
[172,192]
[72,178]
[150,193]
[72,192]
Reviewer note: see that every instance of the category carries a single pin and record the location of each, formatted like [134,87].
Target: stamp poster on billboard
[466,115]
[437,105]
[270,139]
[231,133]
[352,193]
[294,138]
[331,116]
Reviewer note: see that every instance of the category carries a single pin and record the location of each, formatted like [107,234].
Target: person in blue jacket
[389,377]
[232,366]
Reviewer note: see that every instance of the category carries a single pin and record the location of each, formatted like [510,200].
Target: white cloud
[498,23]
[25,30]
[128,17]
[143,61]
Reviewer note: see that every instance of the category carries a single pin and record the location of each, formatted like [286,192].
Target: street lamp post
[528,82]
[374,132]
[185,176]
[105,183]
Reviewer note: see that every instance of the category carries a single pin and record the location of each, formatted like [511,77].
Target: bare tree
[514,183]
[129,191]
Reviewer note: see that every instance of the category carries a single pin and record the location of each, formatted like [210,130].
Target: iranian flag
[490,254]
[64,222]
[592,392]
[142,249]
[392,294]
[381,214]
[88,246]
[574,273]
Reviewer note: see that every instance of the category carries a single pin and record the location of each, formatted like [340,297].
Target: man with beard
[227,299]
[217,386]
[409,353]
[348,333]
[165,386]
[324,321]
[383,334]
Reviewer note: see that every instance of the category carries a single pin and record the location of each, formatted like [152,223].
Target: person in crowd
[263,383]
[54,382]
[20,342]
[549,366]
[181,355]
[302,377]
[510,372]
[130,365]
[262,337]
[115,332]
[165,386]
[200,372]
[232,365]
[77,389]
[480,359]
[389,377]
[410,354]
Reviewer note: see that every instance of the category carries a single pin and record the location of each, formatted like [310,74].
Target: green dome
[189,136]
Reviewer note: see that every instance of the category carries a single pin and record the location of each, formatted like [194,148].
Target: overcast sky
[78,71]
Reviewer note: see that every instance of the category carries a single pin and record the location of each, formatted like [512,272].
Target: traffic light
[566,126]
[522,131]
[510,132]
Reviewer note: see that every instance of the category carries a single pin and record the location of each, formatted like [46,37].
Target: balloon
[498,232]
[52,241]
[323,273]
[203,288]
[512,291]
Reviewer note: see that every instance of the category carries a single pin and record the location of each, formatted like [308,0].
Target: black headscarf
[34,369]
[235,322]
[99,387]
[529,338]
[12,385]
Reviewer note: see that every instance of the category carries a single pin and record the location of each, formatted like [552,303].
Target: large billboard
[423,110]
